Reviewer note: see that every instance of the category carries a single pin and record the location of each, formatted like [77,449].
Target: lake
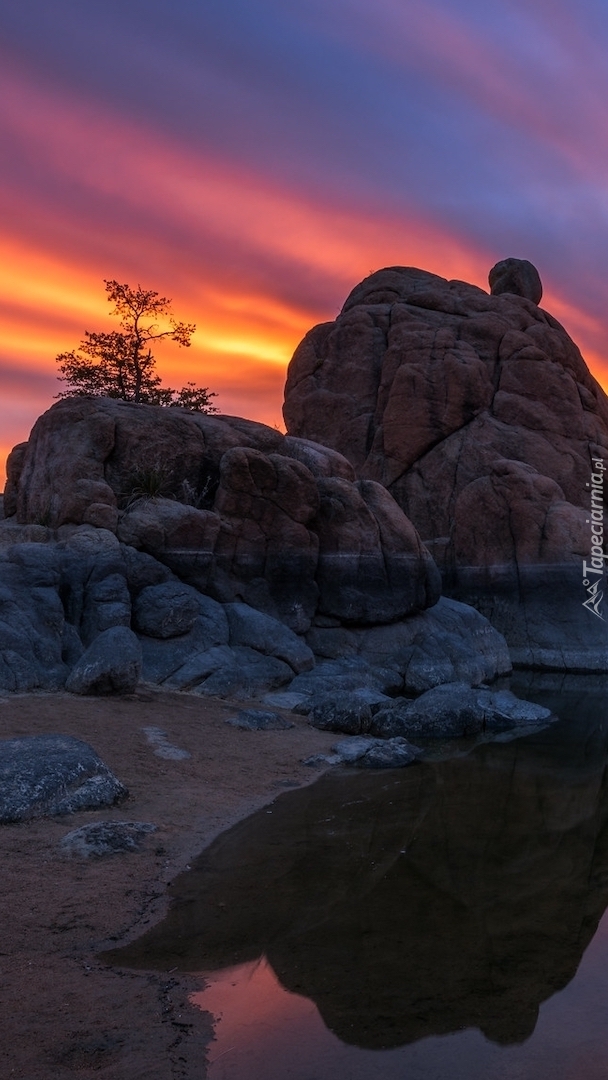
[443,920]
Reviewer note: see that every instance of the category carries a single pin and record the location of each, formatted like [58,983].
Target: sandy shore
[63,1012]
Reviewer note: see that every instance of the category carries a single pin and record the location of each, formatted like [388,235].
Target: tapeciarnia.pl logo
[593,571]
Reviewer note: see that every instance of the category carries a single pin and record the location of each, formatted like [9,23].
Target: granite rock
[452,642]
[166,610]
[44,775]
[111,665]
[269,636]
[479,415]
[259,720]
[233,508]
[456,710]
[103,838]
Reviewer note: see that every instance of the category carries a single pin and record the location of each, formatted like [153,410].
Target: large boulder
[450,643]
[479,415]
[231,507]
[111,665]
[454,710]
[43,775]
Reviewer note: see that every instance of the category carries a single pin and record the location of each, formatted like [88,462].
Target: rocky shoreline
[215,556]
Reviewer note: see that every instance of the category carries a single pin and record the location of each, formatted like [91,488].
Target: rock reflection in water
[449,895]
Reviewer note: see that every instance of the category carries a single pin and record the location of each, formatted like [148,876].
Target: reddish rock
[479,415]
[517,276]
[231,506]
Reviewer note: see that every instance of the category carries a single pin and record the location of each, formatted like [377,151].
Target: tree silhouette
[120,363]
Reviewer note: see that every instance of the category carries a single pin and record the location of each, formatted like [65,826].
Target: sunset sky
[254,160]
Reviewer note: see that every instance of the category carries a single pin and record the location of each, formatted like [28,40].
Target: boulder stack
[232,507]
[479,415]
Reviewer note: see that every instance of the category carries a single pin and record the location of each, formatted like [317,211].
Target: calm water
[442,921]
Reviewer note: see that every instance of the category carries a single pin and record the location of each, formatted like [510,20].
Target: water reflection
[450,895]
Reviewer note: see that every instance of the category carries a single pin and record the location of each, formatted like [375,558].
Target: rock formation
[232,507]
[477,412]
[215,555]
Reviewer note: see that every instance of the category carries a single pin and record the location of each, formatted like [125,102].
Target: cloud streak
[255,163]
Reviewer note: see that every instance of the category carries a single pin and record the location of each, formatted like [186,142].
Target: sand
[64,1012]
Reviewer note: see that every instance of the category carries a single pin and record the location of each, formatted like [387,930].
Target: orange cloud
[253,263]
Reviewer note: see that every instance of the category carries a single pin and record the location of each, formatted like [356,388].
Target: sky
[255,160]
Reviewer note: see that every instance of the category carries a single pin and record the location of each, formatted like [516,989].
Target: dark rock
[331,677]
[455,710]
[93,584]
[32,619]
[199,666]
[111,665]
[249,674]
[350,750]
[346,712]
[142,570]
[257,720]
[14,465]
[388,754]
[43,775]
[319,460]
[268,636]
[369,555]
[516,276]
[166,610]
[450,643]
[368,753]
[103,838]
[163,658]
[471,409]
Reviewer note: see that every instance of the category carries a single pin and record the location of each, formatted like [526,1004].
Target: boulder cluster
[479,415]
[439,438]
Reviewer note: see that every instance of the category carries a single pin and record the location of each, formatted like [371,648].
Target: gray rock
[455,710]
[503,711]
[112,664]
[107,603]
[346,712]
[317,760]
[15,672]
[93,584]
[451,642]
[248,675]
[257,720]
[352,749]
[44,775]
[32,619]
[201,666]
[388,754]
[142,569]
[368,753]
[103,838]
[166,610]
[345,674]
[71,645]
[162,658]
[259,631]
